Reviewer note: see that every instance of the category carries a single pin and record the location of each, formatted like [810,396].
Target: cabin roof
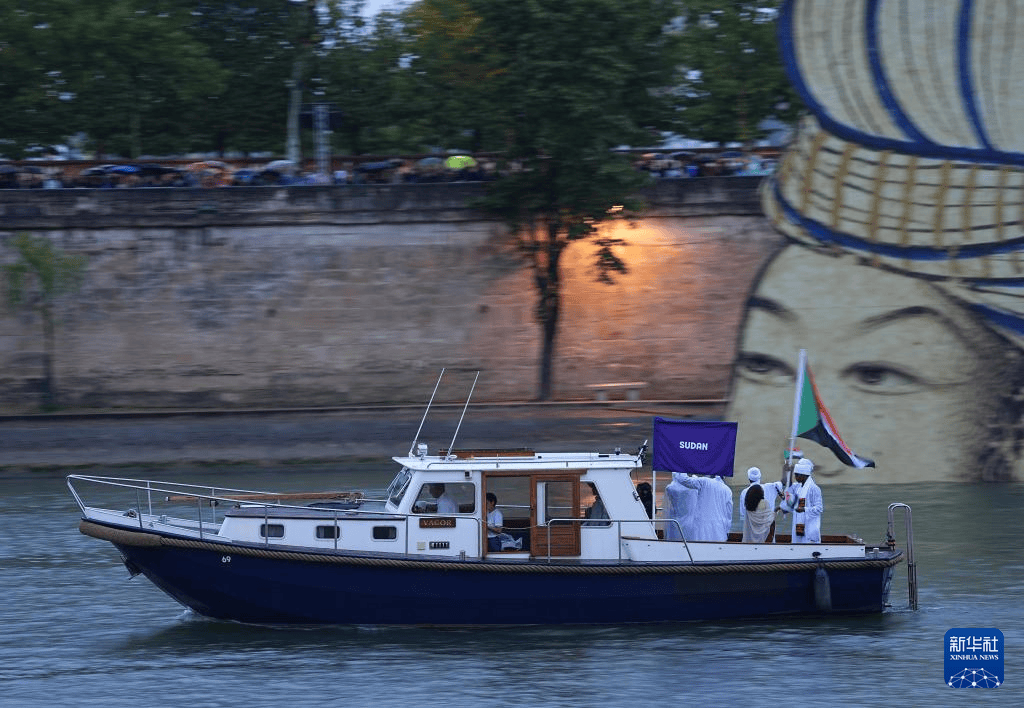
[483,460]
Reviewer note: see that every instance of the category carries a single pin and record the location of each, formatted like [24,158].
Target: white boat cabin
[436,506]
[567,507]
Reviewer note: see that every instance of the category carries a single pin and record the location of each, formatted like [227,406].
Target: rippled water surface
[77,631]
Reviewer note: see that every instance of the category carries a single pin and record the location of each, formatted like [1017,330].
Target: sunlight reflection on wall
[671,320]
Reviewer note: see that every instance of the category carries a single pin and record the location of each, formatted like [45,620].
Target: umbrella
[458,162]
[245,176]
[151,168]
[96,170]
[8,169]
[376,166]
[430,162]
[208,165]
[280,166]
[124,169]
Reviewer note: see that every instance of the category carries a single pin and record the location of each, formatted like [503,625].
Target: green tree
[573,79]
[249,40]
[365,80]
[32,89]
[136,75]
[449,62]
[39,276]
[734,76]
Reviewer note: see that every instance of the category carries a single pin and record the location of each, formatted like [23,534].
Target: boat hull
[256,584]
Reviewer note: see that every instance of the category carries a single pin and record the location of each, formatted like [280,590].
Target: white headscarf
[804,466]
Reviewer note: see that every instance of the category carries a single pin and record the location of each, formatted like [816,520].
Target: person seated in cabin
[497,540]
[596,512]
[758,519]
[494,522]
[445,503]
[646,495]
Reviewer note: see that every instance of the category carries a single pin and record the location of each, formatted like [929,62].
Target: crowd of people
[455,168]
[701,507]
[216,173]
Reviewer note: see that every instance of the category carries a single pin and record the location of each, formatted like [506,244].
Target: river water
[77,631]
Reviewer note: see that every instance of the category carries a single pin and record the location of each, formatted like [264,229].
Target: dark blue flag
[694,447]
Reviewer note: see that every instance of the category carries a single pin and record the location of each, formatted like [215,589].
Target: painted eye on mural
[882,379]
[764,369]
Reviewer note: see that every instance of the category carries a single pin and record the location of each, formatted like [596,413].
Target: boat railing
[144,494]
[617,523]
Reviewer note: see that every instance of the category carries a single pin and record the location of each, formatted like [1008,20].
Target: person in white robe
[758,519]
[712,512]
[680,502]
[754,476]
[804,499]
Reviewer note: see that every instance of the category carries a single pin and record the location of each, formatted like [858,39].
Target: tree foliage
[573,79]
[31,110]
[173,76]
[733,75]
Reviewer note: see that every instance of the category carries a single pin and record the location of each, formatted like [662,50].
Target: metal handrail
[618,524]
[191,490]
[173,488]
[890,539]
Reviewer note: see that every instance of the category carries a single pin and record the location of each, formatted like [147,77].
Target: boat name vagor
[438,523]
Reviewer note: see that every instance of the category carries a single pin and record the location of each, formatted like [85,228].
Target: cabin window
[446,498]
[272,530]
[385,533]
[329,532]
[396,490]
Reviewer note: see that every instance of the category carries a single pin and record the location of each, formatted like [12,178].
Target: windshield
[398,485]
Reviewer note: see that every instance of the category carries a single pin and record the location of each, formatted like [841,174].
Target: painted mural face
[910,377]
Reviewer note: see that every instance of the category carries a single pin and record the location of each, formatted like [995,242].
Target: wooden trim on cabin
[486,452]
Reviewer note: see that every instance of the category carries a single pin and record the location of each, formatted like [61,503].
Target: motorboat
[579,541]
[420,554]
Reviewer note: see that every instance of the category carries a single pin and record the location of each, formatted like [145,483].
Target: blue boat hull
[253,584]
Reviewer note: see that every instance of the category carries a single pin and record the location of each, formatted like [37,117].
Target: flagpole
[801,367]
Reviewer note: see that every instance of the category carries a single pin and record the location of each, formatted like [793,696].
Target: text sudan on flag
[694,447]
[815,424]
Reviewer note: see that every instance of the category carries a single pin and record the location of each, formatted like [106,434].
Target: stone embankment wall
[320,296]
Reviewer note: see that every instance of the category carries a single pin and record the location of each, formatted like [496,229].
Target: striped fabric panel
[923,77]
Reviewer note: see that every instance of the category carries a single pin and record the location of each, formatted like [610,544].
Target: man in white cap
[754,475]
[804,499]
[757,509]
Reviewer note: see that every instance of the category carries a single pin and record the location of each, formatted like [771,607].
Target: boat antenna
[640,453]
[451,447]
[415,440]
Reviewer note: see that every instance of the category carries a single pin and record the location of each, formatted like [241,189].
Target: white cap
[804,466]
[754,474]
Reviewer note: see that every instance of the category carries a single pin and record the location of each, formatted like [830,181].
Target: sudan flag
[815,424]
